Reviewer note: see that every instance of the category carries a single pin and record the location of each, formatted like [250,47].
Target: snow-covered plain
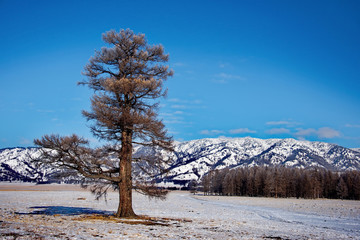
[61,212]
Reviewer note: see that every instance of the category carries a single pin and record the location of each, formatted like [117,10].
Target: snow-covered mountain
[15,165]
[193,159]
[356,149]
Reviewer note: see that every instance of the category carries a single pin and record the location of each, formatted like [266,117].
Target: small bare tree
[127,78]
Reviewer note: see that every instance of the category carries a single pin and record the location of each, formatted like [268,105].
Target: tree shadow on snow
[86,214]
[66,211]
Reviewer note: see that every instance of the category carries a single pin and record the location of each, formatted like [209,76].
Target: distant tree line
[282,182]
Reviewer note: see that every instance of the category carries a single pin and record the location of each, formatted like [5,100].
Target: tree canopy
[127,78]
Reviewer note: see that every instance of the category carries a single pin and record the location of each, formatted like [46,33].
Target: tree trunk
[125,185]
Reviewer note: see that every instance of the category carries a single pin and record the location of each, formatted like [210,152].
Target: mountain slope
[193,159]
[356,149]
[15,165]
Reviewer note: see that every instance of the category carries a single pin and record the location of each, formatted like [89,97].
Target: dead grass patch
[142,220]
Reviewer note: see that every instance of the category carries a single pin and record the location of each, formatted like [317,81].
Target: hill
[193,159]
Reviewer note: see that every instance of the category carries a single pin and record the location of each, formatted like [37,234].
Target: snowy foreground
[64,212]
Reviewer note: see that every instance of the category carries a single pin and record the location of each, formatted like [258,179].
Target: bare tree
[127,78]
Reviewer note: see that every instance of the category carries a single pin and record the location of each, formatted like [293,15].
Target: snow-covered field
[62,212]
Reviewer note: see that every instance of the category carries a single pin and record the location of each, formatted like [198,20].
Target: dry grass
[143,220]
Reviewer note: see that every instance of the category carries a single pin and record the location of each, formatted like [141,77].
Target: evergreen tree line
[283,182]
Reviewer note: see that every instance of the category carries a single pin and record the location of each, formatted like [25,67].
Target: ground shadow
[62,210]
[86,214]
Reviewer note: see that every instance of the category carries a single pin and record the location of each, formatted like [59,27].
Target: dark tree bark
[127,78]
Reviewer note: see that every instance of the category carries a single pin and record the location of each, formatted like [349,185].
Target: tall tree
[127,79]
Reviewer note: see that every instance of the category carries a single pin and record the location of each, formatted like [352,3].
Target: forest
[282,182]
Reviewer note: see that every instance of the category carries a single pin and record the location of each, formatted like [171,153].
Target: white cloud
[324,132]
[222,78]
[205,132]
[177,100]
[171,132]
[184,104]
[196,101]
[178,106]
[229,76]
[352,125]
[232,131]
[286,123]
[327,132]
[277,123]
[166,114]
[174,100]
[172,118]
[221,81]
[278,131]
[217,131]
[305,132]
[211,132]
[241,130]
[224,64]
[173,121]
[178,64]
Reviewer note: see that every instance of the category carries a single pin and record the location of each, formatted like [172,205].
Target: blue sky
[266,69]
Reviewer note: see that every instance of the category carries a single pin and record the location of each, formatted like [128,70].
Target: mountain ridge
[193,159]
